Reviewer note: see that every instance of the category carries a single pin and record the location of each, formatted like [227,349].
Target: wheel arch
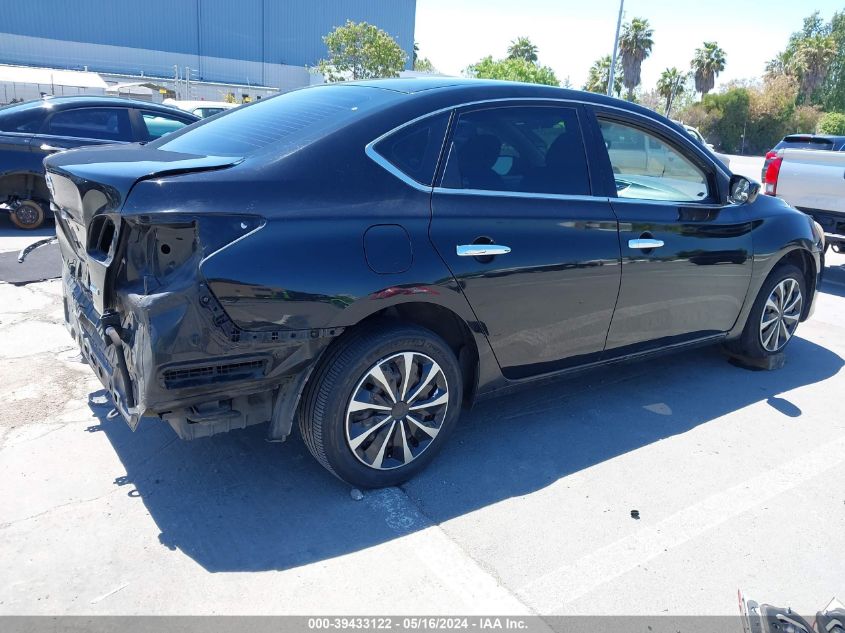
[802,259]
[23,184]
[797,255]
[437,318]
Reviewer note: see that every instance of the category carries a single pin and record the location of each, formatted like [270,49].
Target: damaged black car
[364,260]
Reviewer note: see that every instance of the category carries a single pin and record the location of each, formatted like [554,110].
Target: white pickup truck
[812,181]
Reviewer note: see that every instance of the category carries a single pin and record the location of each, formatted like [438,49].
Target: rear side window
[414,149]
[108,124]
[279,124]
[157,125]
[526,149]
[23,117]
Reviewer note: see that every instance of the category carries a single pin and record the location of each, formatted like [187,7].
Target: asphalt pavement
[736,475]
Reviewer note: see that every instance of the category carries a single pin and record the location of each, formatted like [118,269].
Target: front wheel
[775,314]
[381,405]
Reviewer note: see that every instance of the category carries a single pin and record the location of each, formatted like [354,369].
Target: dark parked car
[803,141]
[31,130]
[368,258]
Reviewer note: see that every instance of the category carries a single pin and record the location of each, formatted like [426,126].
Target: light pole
[612,74]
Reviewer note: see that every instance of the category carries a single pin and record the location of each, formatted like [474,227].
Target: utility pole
[612,74]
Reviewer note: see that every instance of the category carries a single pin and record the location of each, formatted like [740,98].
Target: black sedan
[31,130]
[367,258]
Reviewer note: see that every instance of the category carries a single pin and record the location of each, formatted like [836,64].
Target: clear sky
[571,34]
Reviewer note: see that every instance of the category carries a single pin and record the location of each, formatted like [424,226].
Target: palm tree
[811,61]
[708,62]
[635,45]
[523,48]
[599,76]
[671,85]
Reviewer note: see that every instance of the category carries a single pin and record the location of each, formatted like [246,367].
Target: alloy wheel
[781,314]
[396,410]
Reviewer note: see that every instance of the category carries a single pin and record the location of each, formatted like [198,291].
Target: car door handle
[645,243]
[481,250]
[51,148]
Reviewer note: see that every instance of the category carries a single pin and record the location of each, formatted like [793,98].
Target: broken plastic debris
[356,494]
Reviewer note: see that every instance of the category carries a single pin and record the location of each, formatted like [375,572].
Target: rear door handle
[480,250]
[645,243]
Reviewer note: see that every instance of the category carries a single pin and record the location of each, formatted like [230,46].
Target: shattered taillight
[158,247]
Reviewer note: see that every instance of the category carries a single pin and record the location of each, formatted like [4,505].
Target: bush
[832,123]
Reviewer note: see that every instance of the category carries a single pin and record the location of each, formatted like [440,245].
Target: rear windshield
[280,123]
[805,142]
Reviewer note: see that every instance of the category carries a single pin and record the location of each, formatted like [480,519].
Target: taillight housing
[771,154]
[772,173]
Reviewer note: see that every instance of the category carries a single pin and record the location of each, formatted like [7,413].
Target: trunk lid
[89,188]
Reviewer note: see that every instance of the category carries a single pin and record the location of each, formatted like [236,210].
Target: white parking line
[551,592]
[444,559]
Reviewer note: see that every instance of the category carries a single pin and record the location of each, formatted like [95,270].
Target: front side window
[645,167]
[528,149]
[107,124]
[157,124]
[414,149]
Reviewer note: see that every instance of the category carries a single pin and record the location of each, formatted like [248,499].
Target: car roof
[802,137]
[61,103]
[481,89]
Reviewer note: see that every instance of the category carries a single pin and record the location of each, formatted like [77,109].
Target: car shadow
[234,502]
[833,280]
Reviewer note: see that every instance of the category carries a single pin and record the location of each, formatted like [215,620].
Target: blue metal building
[265,42]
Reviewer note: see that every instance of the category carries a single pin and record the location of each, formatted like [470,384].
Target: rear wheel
[27,214]
[775,314]
[382,405]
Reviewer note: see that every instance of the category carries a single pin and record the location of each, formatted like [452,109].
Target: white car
[201,108]
[693,132]
[811,181]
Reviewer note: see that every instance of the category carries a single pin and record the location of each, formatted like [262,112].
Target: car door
[514,218]
[686,252]
[18,123]
[75,127]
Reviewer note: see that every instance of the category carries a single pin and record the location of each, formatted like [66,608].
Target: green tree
[599,76]
[424,65]
[815,56]
[635,44]
[811,61]
[523,48]
[513,69]
[832,123]
[708,62]
[359,50]
[670,86]
[833,90]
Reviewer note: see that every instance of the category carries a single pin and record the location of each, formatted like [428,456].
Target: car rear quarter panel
[306,268]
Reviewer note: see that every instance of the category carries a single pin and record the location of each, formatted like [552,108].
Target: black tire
[326,419]
[27,214]
[751,342]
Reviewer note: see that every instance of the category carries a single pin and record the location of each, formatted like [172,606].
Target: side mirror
[742,190]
